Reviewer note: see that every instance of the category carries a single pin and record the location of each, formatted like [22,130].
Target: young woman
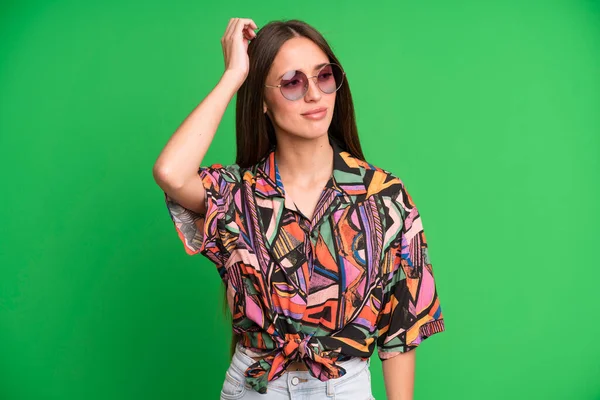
[322,254]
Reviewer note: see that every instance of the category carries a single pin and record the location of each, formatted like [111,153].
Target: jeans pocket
[233,386]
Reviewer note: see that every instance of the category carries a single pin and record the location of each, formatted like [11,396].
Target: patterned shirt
[319,290]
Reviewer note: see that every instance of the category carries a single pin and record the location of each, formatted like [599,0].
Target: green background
[488,111]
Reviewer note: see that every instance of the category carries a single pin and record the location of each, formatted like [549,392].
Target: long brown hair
[255,134]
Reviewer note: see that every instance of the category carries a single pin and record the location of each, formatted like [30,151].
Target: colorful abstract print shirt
[322,290]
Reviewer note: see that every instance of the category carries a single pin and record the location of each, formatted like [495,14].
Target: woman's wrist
[233,78]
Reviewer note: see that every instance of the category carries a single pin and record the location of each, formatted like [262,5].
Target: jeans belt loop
[330,391]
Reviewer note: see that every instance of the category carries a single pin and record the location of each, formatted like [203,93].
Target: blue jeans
[299,385]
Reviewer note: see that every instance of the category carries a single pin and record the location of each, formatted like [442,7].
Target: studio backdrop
[489,111]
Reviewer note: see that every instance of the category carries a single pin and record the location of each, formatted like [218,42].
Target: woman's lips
[316,115]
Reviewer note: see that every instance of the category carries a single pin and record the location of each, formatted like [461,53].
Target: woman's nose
[313,90]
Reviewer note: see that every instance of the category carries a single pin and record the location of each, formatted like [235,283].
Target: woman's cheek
[289,118]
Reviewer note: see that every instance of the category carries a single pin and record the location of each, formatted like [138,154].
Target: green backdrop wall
[488,111]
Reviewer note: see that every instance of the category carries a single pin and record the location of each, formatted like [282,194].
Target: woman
[322,254]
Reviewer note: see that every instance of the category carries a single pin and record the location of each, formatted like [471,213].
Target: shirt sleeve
[411,309]
[208,234]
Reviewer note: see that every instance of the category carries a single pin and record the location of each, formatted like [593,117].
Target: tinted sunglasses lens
[330,78]
[294,85]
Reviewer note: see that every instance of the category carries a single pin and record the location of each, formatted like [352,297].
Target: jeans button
[295,380]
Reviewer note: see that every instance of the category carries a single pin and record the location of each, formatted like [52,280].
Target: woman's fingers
[232,29]
[249,34]
[235,44]
[235,29]
[243,26]
[229,28]
[246,27]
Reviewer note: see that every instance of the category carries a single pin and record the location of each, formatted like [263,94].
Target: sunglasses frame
[317,83]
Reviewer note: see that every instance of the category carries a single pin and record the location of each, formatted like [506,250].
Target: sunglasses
[294,84]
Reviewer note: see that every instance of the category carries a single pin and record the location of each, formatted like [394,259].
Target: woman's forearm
[399,376]
[182,155]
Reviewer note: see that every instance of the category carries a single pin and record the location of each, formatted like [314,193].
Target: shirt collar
[347,177]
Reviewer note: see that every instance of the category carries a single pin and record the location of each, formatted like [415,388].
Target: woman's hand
[235,46]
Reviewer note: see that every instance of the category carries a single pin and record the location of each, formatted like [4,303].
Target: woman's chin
[314,129]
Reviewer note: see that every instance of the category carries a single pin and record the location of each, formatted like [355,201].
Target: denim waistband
[353,366]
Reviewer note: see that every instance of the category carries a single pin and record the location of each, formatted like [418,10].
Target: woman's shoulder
[379,180]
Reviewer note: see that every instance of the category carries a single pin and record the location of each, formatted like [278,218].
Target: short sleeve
[208,234]
[411,310]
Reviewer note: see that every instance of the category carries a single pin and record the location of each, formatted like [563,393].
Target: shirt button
[295,380]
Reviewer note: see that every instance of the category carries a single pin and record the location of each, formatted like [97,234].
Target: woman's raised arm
[176,168]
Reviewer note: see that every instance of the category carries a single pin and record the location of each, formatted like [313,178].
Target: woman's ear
[264,107]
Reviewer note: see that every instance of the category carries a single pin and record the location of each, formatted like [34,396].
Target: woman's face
[301,54]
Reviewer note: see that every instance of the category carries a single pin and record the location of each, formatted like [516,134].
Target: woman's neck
[304,161]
